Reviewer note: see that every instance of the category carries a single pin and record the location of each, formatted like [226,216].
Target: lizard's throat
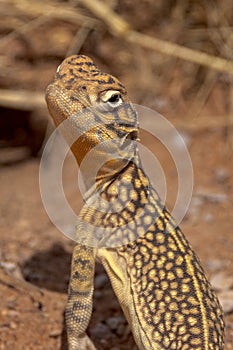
[100,162]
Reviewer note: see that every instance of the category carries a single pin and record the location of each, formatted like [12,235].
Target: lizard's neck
[105,176]
[102,161]
[119,211]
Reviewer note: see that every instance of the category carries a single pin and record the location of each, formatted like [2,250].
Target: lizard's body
[154,272]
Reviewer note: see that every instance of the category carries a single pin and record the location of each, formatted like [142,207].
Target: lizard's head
[79,84]
[98,105]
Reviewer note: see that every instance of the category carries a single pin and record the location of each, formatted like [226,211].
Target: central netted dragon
[155,274]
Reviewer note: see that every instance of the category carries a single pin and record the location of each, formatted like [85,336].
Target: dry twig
[121,28]
[41,12]
[21,99]
[79,39]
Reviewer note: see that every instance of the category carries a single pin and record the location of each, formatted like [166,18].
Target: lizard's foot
[83,343]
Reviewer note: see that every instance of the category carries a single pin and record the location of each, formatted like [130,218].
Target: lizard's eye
[111,98]
[115,99]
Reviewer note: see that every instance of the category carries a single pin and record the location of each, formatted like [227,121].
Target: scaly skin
[156,276]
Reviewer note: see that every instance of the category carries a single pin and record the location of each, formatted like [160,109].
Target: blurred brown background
[35,36]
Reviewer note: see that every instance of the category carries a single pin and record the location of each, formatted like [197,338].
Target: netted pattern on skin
[173,298]
[171,303]
[79,304]
[128,205]
[76,69]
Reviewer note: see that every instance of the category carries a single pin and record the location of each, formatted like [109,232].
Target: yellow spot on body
[160,262]
[114,220]
[140,231]
[185,288]
[192,320]
[160,238]
[162,249]
[150,298]
[125,215]
[193,300]
[194,311]
[124,194]
[127,179]
[167,316]
[166,341]
[169,266]
[143,197]
[138,264]
[170,276]
[143,178]
[155,250]
[159,224]
[173,306]
[186,311]
[196,341]
[161,327]
[174,285]
[147,220]
[170,255]
[112,190]
[152,306]
[131,207]
[143,249]
[150,208]
[133,271]
[159,294]
[172,246]
[164,285]
[172,337]
[185,339]
[133,195]
[151,274]
[179,317]
[150,286]
[131,261]
[213,316]
[173,293]
[162,274]
[144,284]
[179,272]
[121,221]
[149,236]
[138,183]
[174,346]
[182,330]
[157,319]
[157,336]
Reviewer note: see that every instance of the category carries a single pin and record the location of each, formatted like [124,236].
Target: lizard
[156,276]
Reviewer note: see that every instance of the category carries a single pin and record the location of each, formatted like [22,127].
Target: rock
[98,294]
[101,280]
[195,205]
[211,197]
[55,333]
[101,331]
[222,282]
[226,300]
[115,322]
[122,330]
[221,175]
[215,264]
[13,325]
[208,217]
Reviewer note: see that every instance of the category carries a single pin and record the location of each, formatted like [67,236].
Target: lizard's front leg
[79,304]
